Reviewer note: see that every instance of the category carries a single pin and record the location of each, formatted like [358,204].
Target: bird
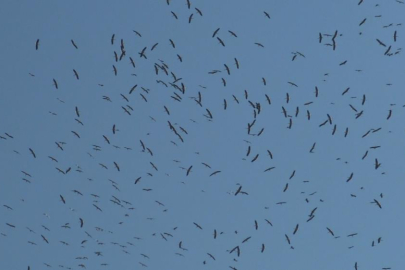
[32,152]
[312,148]
[381,43]
[232,33]
[74,44]
[81,222]
[189,170]
[330,231]
[296,229]
[378,203]
[55,83]
[288,239]
[377,164]
[174,15]
[214,173]
[63,199]
[215,32]
[221,42]
[198,11]
[137,33]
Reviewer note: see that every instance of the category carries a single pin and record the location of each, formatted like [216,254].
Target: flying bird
[330,231]
[215,32]
[74,44]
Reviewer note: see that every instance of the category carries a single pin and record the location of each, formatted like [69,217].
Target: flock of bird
[162,164]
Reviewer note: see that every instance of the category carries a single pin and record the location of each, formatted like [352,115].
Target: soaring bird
[363,21]
[63,199]
[189,170]
[296,229]
[221,42]
[377,165]
[81,222]
[55,83]
[330,231]
[215,32]
[232,33]
[312,148]
[381,43]
[288,239]
[76,74]
[74,44]
[198,11]
[32,152]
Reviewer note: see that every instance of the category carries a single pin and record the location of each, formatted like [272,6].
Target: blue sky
[37,116]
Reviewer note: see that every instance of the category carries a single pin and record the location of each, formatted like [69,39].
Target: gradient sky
[35,115]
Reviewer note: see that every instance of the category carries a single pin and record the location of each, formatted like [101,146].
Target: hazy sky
[102,159]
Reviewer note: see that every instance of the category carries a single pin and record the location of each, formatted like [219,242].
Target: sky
[232,131]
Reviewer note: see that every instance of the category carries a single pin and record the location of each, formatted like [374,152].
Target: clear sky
[102,159]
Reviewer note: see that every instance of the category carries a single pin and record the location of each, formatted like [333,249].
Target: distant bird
[189,170]
[330,231]
[312,148]
[198,11]
[32,152]
[232,33]
[74,44]
[174,15]
[288,239]
[296,229]
[76,74]
[214,173]
[55,83]
[81,222]
[137,33]
[44,238]
[377,165]
[381,43]
[215,32]
[221,42]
